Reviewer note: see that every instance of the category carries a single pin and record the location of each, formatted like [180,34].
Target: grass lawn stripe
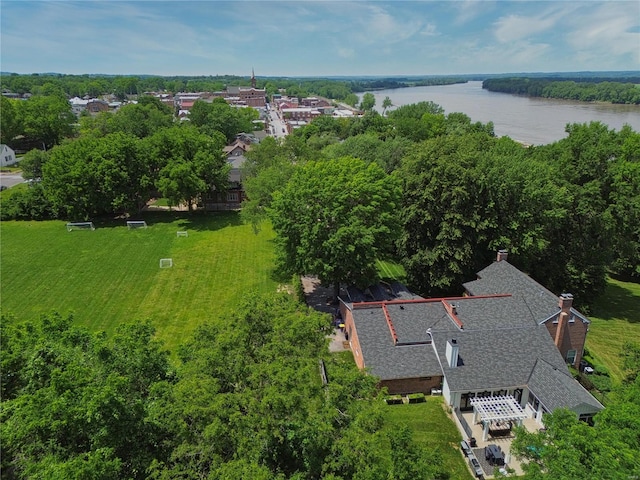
[112,275]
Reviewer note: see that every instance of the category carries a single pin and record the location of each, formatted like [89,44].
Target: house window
[586,417]
[232,197]
[571,357]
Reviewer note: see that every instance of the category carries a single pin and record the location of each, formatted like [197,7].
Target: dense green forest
[622,90]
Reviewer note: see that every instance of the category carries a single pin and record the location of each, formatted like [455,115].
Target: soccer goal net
[131,224]
[182,234]
[80,226]
[166,262]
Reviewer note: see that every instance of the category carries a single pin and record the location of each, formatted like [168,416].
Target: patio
[476,430]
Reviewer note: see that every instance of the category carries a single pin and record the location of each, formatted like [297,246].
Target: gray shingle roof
[556,388]
[500,334]
[386,360]
[502,277]
[496,359]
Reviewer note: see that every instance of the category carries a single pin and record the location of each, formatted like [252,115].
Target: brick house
[566,326]
[96,106]
[491,342]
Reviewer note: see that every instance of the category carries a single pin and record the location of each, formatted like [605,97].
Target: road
[278,127]
[10,179]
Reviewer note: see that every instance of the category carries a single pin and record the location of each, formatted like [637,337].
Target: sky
[318,38]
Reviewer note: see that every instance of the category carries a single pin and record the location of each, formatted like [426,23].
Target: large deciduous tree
[335,218]
[368,101]
[93,176]
[190,163]
[222,117]
[45,120]
[9,120]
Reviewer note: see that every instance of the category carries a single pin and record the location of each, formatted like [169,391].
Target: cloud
[610,29]
[468,10]
[516,27]
[429,30]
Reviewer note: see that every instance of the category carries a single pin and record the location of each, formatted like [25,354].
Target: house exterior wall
[412,385]
[96,106]
[7,156]
[575,334]
[350,330]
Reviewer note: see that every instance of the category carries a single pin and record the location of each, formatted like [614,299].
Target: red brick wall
[412,385]
[350,328]
[575,334]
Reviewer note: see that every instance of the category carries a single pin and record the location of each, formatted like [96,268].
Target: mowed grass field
[111,275]
[434,429]
[615,320]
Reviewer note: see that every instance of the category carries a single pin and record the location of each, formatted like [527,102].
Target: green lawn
[615,319]
[112,275]
[390,271]
[434,429]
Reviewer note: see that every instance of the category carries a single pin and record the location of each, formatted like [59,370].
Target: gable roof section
[556,388]
[497,358]
[381,355]
[502,277]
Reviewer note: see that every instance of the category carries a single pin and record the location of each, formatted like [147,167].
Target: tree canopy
[335,218]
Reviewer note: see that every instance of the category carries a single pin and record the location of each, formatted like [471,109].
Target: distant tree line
[123,87]
[624,90]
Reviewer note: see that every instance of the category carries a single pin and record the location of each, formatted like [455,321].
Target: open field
[615,320]
[433,429]
[112,275]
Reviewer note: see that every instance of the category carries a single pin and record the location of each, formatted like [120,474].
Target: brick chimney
[502,255]
[565,301]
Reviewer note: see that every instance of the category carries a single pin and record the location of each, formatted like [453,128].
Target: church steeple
[253,79]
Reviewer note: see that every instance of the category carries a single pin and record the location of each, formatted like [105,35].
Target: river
[535,121]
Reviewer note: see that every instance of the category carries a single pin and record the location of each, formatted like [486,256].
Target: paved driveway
[10,179]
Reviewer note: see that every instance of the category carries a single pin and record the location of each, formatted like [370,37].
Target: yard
[434,429]
[615,319]
[112,275]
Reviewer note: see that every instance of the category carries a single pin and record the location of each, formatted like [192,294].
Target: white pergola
[502,408]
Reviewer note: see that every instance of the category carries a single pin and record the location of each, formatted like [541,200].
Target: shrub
[416,397]
[393,399]
[601,382]
[27,204]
